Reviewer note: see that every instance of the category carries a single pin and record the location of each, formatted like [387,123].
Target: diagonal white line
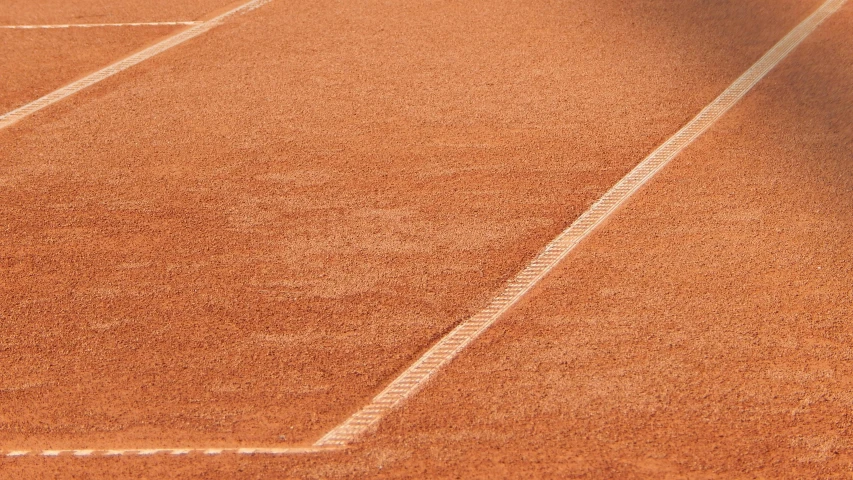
[414,378]
[110,70]
[95,25]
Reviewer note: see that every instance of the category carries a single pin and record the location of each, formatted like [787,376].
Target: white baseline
[95,25]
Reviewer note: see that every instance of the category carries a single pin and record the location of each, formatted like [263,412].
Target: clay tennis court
[333,239]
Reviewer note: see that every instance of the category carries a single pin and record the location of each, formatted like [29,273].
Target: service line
[110,70]
[425,367]
[414,378]
[94,25]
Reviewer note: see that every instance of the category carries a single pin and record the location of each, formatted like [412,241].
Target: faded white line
[106,72]
[414,378]
[96,25]
[169,451]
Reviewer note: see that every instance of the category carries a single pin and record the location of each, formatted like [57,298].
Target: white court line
[95,25]
[414,378]
[167,451]
[110,70]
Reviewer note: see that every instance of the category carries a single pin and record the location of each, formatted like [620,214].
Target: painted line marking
[425,367]
[96,25]
[121,65]
[169,451]
[414,378]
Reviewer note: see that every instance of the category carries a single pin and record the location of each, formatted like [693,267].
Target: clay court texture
[345,239]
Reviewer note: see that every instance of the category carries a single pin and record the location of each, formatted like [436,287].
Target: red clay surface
[705,331]
[255,231]
[40,12]
[37,62]
[280,216]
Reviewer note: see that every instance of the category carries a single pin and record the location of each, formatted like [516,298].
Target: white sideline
[94,25]
[416,376]
[110,70]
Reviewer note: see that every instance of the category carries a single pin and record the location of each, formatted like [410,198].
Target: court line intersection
[24,111]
